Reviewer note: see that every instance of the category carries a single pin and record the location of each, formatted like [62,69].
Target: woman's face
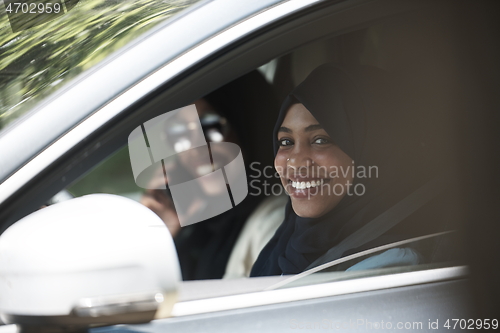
[315,172]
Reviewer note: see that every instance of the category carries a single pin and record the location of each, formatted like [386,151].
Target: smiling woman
[305,147]
[348,120]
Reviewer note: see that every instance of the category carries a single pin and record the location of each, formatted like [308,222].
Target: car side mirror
[96,260]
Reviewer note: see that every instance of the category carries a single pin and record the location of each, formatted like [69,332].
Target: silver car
[88,263]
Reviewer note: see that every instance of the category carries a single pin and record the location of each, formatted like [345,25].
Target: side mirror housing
[96,260]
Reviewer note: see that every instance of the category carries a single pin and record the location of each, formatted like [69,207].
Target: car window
[228,246]
[37,61]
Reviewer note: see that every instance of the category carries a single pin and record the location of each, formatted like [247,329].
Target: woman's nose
[299,157]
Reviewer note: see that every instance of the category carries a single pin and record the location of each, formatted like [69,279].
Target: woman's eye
[321,141]
[285,142]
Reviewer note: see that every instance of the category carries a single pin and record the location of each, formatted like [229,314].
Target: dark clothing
[204,248]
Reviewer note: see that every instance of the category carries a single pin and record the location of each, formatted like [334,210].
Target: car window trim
[322,290]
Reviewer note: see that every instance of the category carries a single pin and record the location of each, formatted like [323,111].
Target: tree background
[36,62]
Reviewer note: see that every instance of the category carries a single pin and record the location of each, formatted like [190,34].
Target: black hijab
[360,110]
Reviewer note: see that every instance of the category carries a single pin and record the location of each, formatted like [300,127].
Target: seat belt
[385,221]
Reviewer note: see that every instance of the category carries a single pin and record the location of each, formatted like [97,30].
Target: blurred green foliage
[36,62]
[114,175]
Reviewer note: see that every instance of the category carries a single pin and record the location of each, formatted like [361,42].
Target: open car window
[228,246]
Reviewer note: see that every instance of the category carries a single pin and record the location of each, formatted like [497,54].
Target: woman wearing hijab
[332,126]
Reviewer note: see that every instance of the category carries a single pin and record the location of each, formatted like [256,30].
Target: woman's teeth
[303,185]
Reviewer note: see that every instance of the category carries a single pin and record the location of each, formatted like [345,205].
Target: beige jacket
[257,231]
